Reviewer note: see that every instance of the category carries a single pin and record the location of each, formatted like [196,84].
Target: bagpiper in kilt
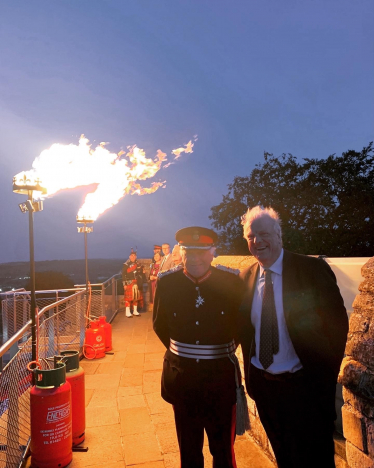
[133,278]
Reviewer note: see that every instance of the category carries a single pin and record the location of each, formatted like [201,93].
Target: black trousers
[219,424]
[298,417]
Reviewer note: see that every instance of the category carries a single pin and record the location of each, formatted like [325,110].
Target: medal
[199,299]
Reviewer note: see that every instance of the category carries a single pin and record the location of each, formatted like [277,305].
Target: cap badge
[195,237]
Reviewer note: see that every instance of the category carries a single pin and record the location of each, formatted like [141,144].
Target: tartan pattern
[269,335]
[130,297]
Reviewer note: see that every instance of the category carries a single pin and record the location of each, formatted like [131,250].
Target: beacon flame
[64,167]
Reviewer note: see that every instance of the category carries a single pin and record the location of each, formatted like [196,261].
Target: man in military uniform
[133,278]
[195,316]
[157,249]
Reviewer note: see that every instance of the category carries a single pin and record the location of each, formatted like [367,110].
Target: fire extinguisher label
[58,412]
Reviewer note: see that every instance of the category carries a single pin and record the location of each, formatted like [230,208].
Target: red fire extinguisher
[75,376]
[94,343]
[108,332]
[50,415]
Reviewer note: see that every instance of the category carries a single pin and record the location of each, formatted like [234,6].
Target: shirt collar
[276,267]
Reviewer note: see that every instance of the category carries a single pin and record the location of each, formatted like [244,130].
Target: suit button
[197,323]
[223,313]
[197,342]
[175,314]
[197,360]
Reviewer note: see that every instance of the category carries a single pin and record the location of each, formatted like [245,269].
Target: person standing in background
[133,278]
[176,256]
[157,249]
[167,261]
[154,269]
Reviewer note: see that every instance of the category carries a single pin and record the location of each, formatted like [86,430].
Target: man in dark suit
[293,328]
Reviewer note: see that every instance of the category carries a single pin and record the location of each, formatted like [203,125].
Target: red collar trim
[198,280]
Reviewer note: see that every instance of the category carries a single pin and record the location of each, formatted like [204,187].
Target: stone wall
[357,376]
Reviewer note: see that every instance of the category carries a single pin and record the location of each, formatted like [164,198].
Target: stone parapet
[357,376]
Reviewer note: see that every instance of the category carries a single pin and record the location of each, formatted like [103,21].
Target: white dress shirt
[286,360]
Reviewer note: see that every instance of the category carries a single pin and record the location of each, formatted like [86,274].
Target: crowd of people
[288,315]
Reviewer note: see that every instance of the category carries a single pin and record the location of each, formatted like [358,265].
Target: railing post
[57,330]
[82,320]
[102,299]
[14,313]
[13,450]
[24,310]
[51,337]
[113,296]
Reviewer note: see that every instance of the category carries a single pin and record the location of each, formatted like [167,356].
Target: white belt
[202,351]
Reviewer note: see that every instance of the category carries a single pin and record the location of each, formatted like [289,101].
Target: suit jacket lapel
[250,281]
[289,280]
[251,285]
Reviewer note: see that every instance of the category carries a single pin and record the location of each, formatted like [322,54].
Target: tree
[45,280]
[326,205]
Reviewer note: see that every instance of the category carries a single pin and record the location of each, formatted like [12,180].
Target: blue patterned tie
[269,335]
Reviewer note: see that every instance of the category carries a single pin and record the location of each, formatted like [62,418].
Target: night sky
[245,76]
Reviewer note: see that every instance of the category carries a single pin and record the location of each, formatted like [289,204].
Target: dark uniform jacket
[214,322]
[315,315]
[133,271]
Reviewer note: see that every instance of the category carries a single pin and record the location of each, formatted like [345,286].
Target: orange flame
[68,166]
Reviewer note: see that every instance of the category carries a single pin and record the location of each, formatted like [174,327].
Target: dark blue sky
[245,76]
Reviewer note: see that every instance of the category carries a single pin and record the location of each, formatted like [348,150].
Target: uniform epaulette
[161,274]
[230,270]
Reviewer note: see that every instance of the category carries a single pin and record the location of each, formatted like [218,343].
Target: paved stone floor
[127,421]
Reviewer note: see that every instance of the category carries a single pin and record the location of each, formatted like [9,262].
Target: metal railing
[15,308]
[105,297]
[62,326]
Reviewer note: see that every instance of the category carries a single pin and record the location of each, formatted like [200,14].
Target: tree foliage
[326,205]
[45,280]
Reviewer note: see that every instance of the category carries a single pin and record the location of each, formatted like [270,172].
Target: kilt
[133,293]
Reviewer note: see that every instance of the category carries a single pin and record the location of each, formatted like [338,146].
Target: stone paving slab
[129,391]
[141,448]
[131,377]
[135,421]
[157,404]
[152,382]
[128,424]
[103,398]
[135,360]
[110,368]
[101,381]
[101,416]
[131,401]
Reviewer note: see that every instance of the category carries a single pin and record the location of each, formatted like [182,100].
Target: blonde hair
[259,212]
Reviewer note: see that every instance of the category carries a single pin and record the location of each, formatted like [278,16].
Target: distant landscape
[16,274]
